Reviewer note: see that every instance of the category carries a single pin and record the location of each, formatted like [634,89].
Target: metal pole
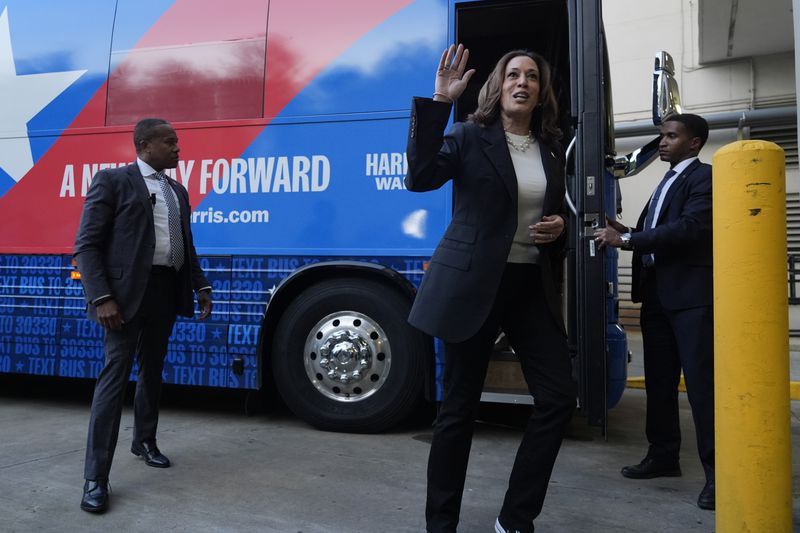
[771,116]
[751,339]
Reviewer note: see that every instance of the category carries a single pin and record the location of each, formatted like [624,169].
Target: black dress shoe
[151,454]
[95,496]
[707,499]
[650,468]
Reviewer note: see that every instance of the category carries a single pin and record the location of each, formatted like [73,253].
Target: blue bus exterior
[292,117]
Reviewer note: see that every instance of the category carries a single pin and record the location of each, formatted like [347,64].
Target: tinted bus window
[184,72]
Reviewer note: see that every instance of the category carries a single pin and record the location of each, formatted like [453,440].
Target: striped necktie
[174,217]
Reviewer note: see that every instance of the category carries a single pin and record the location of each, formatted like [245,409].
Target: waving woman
[496,267]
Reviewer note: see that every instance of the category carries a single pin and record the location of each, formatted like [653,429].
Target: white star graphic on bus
[21,99]
[414,223]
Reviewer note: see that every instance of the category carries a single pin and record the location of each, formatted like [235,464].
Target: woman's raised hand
[451,80]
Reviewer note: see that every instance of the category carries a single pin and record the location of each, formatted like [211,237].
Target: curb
[637,382]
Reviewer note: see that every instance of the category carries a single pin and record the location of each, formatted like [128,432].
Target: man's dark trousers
[145,337]
[675,339]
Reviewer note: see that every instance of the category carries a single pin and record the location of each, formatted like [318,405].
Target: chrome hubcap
[347,356]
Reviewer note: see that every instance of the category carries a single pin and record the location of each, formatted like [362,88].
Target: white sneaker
[498,528]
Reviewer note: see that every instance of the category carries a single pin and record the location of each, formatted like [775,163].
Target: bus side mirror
[666,101]
[666,96]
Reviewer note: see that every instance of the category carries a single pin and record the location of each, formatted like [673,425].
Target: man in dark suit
[672,278]
[139,269]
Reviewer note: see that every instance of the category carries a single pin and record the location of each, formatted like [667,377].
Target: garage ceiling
[732,29]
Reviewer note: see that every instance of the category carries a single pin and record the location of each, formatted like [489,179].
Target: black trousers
[539,342]
[674,340]
[144,337]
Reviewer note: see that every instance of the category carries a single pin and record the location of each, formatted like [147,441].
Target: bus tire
[344,357]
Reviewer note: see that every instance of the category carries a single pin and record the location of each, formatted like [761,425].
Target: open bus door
[597,340]
[569,35]
[587,321]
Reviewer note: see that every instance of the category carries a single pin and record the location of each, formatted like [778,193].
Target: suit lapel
[496,149]
[677,185]
[552,201]
[136,180]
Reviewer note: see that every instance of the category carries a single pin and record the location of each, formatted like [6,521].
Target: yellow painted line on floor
[637,382]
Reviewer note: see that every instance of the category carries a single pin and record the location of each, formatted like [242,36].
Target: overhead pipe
[771,116]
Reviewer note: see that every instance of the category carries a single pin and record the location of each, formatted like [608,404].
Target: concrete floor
[272,473]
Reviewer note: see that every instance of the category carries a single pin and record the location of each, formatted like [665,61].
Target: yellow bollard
[751,340]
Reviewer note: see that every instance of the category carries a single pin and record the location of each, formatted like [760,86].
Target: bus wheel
[344,358]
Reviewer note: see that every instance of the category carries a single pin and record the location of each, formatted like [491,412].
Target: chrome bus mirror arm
[625,166]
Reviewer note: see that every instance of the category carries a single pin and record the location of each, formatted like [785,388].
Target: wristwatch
[626,241]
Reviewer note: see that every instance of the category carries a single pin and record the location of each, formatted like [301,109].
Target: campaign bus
[292,117]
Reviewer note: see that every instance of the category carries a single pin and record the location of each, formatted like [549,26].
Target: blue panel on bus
[199,353]
[253,280]
[345,196]
[73,302]
[80,348]
[194,364]
[248,380]
[218,272]
[31,348]
[30,285]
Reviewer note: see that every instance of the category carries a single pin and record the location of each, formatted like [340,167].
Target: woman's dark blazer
[460,285]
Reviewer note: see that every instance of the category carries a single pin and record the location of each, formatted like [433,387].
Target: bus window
[184,72]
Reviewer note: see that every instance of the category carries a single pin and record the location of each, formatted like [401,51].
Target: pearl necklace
[524,145]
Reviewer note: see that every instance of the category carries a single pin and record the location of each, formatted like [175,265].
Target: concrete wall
[635,31]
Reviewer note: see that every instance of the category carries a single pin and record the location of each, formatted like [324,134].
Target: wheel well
[305,277]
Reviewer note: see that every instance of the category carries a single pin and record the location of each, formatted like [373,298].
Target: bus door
[568,35]
[587,283]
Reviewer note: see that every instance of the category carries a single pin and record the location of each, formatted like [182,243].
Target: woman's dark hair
[544,122]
